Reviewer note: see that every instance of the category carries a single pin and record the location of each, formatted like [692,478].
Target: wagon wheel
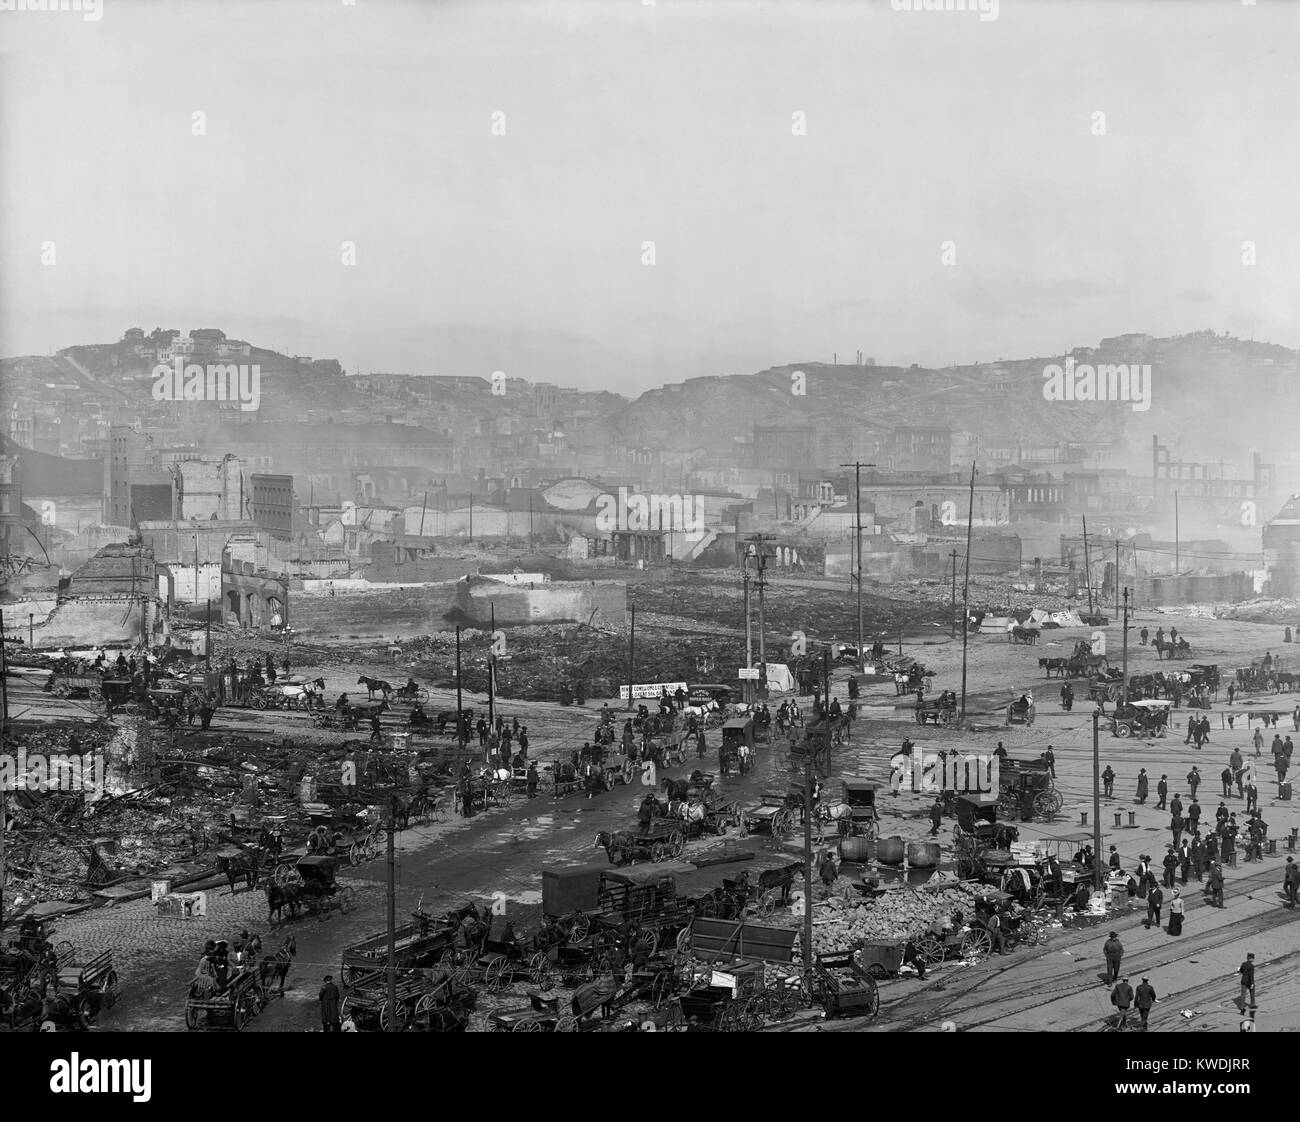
[347,899]
[677,842]
[566,1024]
[660,851]
[782,823]
[946,716]
[873,1001]
[238,1016]
[496,974]
[108,990]
[285,875]
[62,691]
[647,942]
[63,950]
[355,854]
[533,1025]
[765,905]
[191,1016]
[503,794]
[877,971]
[929,949]
[750,1016]
[96,694]
[684,941]
[660,988]
[1056,801]
[371,844]
[1046,803]
[259,701]
[1123,728]
[976,944]
[385,1015]
[581,926]
[422,695]
[539,969]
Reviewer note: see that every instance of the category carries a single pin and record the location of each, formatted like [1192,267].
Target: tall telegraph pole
[857,497]
[965,589]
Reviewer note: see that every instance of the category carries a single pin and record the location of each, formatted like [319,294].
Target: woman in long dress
[1176,907]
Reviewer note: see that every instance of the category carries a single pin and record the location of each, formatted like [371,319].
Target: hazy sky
[628,122]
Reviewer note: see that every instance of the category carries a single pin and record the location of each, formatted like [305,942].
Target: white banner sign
[652,689]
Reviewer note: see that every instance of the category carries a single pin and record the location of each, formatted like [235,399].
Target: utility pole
[31,627]
[631,658]
[1096,805]
[952,619]
[757,541]
[965,590]
[1176,533]
[424,505]
[471,518]
[1087,570]
[530,522]
[749,637]
[460,720]
[1125,646]
[4,729]
[807,855]
[492,668]
[392,916]
[196,570]
[857,496]
[1117,576]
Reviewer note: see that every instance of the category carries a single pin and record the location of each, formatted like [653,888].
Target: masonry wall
[1221,588]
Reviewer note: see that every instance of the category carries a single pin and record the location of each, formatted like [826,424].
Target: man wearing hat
[1122,998]
[1247,972]
[1155,901]
[1291,881]
[1170,864]
[1144,999]
[1214,886]
[329,1006]
[1113,951]
[1162,789]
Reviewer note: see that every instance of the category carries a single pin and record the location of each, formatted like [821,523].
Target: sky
[629,122]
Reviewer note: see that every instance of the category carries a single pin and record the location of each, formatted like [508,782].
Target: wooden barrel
[855,849]
[922,854]
[889,851]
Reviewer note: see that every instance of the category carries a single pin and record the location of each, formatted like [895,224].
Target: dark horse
[374,686]
[276,966]
[244,866]
[281,896]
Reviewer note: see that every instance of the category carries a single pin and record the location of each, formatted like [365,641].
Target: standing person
[1142,874]
[1155,902]
[826,868]
[936,816]
[1184,860]
[523,740]
[1050,757]
[1258,741]
[1176,824]
[1162,789]
[1108,779]
[1145,999]
[1170,866]
[1142,786]
[1192,726]
[1176,806]
[532,779]
[1144,635]
[1214,886]
[1247,972]
[329,1005]
[1122,998]
[1252,797]
[1221,816]
[1176,906]
[1225,777]
[1113,861]
[1198,857]
[1291,882]
[376,728]
[1232,691]
[1113,952]
[1194,816]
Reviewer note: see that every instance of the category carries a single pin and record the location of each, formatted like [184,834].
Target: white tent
[779,678]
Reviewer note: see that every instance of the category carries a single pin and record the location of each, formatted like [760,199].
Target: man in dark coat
[329,1005]
[1145,999]
[936,816]
[1170,865]
[1176,805]
[1198,856]
[1113,951]
[1214,886]
[1194,816]
[1142,873]
[1184,853]
[1108,779]
[1155,901]
[1122,998]
[1162,790]
[1193,781]
[1143,785]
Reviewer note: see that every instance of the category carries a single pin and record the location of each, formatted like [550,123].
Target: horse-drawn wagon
[844,987]
[64,684]
[660,839]
[941,710]
[313,885]
[232,1007]
[1021,710]
[419,944]
[1146,718]
[1026,790]
[736,752]
[773,815]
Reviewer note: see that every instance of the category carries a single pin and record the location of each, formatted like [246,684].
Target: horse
[1060,665]
[448,717]
[619,843]
[673,788]
[245,866]
[1020,634]
[375,685]
[841,814]
[781,878]
[281,896]
[276,966]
